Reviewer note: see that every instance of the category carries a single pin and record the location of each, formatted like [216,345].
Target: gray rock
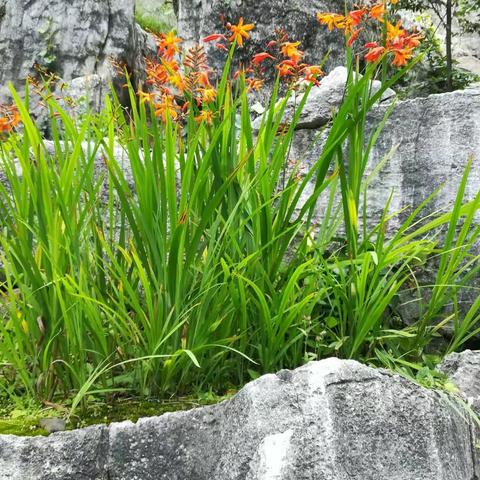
[197,19]
[434,138]
[72,39]
[332,420]
[430,140]
[78,454]
[52,425]
[323,100]
[463,369]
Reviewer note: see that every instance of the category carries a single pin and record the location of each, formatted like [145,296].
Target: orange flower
[9,118]
[176,80]
[203,79]
[285,68]
[311,73]
[205,116]
[413,41]
[357,15]
[254,84]
[145,97]
[353,37]
[394,31]
[290,50]
[166,108]
[156,73]
[374,54]
[377,12]
[169,44]
[401,57]
[208,94]
[261,57]
[221,46]
[214,37]
[332,20]
[240,31]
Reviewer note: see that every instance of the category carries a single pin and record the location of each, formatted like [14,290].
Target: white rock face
[333,419]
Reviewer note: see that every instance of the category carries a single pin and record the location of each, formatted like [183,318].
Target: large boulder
[323,101]
[72,39]
[332,420]
[432,140]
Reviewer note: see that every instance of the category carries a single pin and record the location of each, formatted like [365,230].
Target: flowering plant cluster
[175,83]
[397,42]
[179,79]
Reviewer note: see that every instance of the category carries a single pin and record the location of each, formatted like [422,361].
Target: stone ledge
[332,419]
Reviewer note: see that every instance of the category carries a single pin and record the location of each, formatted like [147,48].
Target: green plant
[466,12]
[157,24]
[161,256]
[47,56]
[430,75]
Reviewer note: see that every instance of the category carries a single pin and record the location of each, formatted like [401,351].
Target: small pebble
[52,424]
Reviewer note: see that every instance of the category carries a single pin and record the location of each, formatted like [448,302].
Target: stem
[448,45]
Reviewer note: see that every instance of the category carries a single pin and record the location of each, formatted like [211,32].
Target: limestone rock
[323,100]
[71,39]
[77,454]
[430,141]
[434,138]
[332,420]
[197,19]
[463,369]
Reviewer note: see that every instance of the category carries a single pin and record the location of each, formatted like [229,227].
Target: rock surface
[324,100]
[434,138]
[332,420]
[197,19]
[463,369]
[72,39]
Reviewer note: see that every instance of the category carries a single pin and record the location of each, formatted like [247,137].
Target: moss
[25,423]
[21,426]
[162,22]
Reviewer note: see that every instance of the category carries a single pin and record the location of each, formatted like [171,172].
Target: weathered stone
[79,455]
[463,369]
[323,101]
[434,138]
[332,420]
[71,39]
[197,19]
